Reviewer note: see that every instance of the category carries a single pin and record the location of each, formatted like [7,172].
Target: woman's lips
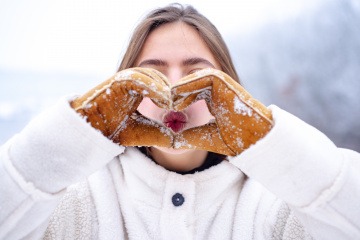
[175,120]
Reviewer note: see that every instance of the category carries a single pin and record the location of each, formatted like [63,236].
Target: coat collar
[148,182]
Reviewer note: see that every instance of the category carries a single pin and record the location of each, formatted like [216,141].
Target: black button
[178,199]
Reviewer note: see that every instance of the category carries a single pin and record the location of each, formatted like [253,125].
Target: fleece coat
[62,179]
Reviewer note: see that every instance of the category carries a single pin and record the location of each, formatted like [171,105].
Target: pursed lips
[176,121]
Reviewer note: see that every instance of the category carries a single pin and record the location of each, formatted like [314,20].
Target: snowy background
[303,56]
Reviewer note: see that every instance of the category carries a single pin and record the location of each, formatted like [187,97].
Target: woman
[62,177]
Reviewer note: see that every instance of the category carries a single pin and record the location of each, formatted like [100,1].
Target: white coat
[61,179]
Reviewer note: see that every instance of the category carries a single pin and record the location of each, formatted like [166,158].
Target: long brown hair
[208,32]
[189,15]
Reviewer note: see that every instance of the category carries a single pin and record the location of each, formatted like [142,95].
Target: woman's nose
[174,76]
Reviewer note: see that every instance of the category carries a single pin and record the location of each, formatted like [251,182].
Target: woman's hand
[111,107]
[240,120]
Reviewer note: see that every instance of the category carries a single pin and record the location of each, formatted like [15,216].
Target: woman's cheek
[198,113]
[149,109]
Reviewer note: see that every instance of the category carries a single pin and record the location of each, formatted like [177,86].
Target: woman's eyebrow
[153,62]
[196,60]
[186,62]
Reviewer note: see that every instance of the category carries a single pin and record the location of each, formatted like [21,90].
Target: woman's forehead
[175,41]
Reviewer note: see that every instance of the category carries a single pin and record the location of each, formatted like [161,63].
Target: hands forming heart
[111,107]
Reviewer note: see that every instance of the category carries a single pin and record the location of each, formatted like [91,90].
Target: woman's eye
[194,70]
[159,69]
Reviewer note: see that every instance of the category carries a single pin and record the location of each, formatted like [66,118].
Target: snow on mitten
[111,107]
[240,120]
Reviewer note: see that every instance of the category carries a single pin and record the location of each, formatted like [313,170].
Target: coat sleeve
[56,149]
[300,165]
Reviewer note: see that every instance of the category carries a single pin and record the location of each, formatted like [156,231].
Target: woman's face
[176,49]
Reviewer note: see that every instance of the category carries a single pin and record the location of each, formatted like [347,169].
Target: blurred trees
[308,65]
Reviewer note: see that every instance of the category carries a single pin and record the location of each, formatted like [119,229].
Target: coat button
[178,199]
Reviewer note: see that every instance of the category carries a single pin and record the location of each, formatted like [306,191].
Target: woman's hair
[189,15]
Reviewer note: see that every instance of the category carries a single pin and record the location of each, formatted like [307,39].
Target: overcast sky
[89,36]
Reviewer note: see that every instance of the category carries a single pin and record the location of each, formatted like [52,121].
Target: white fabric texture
[293,184]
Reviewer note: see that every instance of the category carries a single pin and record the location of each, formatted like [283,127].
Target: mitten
[111,107]
[240,120]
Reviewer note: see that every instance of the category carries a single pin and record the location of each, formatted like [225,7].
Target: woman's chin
[179,160]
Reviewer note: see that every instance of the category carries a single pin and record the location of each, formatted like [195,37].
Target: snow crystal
[108,91]
[120,127]
[206,94]
[166,88]
[222,110]
[179,144]
[203,72]
[153,85]
[145,92]
[165,131]
[208,138]
[142,120]
[257,117]
[241,108]
[132,92]
[89,105]
[206,72]
[126,74]
[212,120]
[239,142]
